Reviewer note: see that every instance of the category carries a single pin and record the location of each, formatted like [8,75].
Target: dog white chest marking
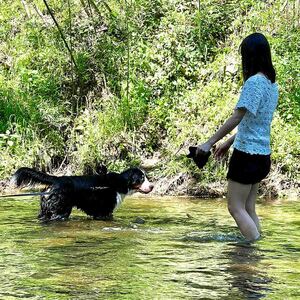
[120,198]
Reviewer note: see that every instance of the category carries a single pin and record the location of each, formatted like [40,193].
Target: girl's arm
[227,127]
[230,141]
[221,150]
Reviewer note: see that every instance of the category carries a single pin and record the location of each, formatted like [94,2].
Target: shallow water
[187,249]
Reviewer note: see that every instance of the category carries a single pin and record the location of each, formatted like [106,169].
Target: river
[186,249]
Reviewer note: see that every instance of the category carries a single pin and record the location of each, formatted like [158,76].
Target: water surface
[186,249]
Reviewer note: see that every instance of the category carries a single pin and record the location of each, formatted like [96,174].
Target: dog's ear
[117,182]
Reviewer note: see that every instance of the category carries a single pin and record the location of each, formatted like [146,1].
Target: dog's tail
[27,176]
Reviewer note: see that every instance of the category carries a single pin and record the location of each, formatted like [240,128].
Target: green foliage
[288,68]
[150,76]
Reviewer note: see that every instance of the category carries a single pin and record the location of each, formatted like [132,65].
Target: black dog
[96,195]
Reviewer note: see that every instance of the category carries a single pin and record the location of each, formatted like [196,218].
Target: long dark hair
[256,57]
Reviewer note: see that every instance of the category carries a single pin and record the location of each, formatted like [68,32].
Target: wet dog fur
[97,195]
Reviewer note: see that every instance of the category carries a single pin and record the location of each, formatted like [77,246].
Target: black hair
[256,57]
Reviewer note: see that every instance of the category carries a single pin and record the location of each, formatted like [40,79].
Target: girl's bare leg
[250,205]
[237,195]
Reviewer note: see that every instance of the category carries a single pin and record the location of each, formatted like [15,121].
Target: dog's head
[137,181]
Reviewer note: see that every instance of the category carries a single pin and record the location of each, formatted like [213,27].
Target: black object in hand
[200,159]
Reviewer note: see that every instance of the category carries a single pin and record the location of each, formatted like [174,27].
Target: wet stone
[139,220]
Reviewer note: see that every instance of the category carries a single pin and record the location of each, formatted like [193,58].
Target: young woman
[250,160]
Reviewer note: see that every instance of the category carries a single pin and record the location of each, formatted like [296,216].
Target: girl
[250,160]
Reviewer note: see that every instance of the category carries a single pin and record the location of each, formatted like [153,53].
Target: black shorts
[248,168]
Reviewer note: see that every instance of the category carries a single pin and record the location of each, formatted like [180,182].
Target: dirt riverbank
[182,184]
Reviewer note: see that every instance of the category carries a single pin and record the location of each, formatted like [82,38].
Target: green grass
[151,78]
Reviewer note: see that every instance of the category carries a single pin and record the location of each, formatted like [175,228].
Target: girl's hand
[203,148]
[221,150]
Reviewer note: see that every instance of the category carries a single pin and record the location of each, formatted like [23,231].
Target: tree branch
[26,9]
[61,34]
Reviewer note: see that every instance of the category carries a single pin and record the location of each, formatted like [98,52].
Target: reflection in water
[241,265]
[186,249]
[247,277]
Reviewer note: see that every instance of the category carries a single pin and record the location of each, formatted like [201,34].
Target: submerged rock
[139,220]
[133,226]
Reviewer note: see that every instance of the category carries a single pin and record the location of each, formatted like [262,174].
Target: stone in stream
[139,220]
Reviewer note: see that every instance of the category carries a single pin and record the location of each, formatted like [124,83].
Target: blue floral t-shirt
[259,96]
